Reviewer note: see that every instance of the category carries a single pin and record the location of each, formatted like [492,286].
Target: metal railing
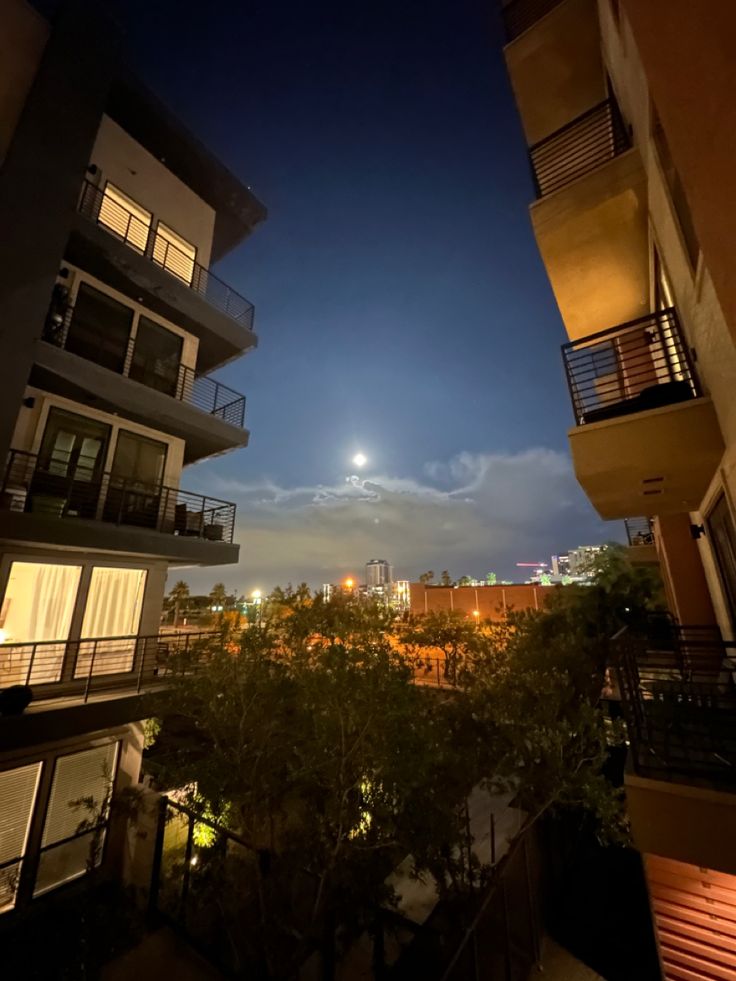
[679,701]
[72,490]
[639,531]
[520,15]
[596,136]
[87,666]
[640,365]
[144,238]
[179,381]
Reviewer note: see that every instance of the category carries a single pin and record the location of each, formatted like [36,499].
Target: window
[113,610]
[125,218]
[677,191]
[69,472]
[723,539]
[174,253]
[37,608]
[156,357]
[77,816]
[134,495]
[18,790]
[100,328]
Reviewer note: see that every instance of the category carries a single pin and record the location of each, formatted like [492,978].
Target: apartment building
[628,111]
[111,322]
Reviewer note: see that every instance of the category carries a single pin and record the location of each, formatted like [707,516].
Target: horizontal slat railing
[80,668]
[639,365]
[639,531]
[520,15]
[146,240]
[679,702]
[29,484]
[580,146]
[179,381]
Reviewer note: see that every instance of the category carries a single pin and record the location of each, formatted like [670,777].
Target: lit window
[17,798]
[112,616]
[77,816]
[174,253]
[125,218]
[36,612]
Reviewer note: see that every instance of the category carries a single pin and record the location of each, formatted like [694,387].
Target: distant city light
[360,459]
[349,583]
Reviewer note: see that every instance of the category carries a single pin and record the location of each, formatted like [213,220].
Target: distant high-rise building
[580,560]
[378,572]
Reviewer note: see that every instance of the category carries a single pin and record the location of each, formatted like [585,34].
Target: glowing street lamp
[349,583]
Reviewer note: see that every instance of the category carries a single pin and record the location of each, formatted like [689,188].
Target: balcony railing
[520,15]
[116,219]
[643,364]
[679,702]
[80,668]
[179,380]
[639,531]
[580,146]
[68,491]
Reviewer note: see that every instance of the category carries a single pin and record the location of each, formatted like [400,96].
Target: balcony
[554,62]
[679,704]
[114,377]
[112,243]
[646,438]
[579,147]
[81,669]
[640,534]
[520,15]
[41,503]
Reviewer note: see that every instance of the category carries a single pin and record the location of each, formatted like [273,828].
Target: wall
[687,52]
[32,423]
[23,36]
[492,602]
[147,181]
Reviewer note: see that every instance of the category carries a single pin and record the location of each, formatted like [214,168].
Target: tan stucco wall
[142,177]
[23,34]
[687,53]
[682,570]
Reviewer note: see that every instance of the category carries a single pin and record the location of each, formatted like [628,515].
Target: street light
[256,595]
[349,583]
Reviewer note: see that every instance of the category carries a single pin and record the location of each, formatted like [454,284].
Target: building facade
[627,108]
[111,320]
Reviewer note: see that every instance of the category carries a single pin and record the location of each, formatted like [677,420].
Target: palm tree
[178,596]
[426,577]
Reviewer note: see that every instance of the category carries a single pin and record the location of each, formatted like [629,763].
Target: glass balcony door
[100,329]
[157,357]
[68,477]
[134,496]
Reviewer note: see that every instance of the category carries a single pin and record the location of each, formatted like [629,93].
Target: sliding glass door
[111,619]
[68,476]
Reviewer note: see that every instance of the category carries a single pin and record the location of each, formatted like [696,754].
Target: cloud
[471,514]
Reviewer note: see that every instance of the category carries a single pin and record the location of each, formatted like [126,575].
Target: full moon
[360,460]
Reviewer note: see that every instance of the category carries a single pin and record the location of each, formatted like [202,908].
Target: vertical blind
[78,802]
[17,798]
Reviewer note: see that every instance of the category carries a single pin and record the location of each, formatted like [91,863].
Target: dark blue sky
[401,305]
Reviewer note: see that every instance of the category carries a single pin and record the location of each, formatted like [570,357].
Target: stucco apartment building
[111,321]
[629,113]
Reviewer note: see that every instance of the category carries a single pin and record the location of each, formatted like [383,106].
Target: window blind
[17,798]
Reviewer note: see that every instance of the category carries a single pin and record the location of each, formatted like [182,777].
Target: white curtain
[38,606]
[113,610]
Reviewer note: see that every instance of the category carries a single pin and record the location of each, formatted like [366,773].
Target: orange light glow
[349,583]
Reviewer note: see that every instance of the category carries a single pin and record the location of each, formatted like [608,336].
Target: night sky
[401,307]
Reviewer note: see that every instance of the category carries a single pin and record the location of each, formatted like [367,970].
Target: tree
[490,579]
[465,581]
[328,762]
[445,579]
[178,596]
[426,577]
[444,632]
